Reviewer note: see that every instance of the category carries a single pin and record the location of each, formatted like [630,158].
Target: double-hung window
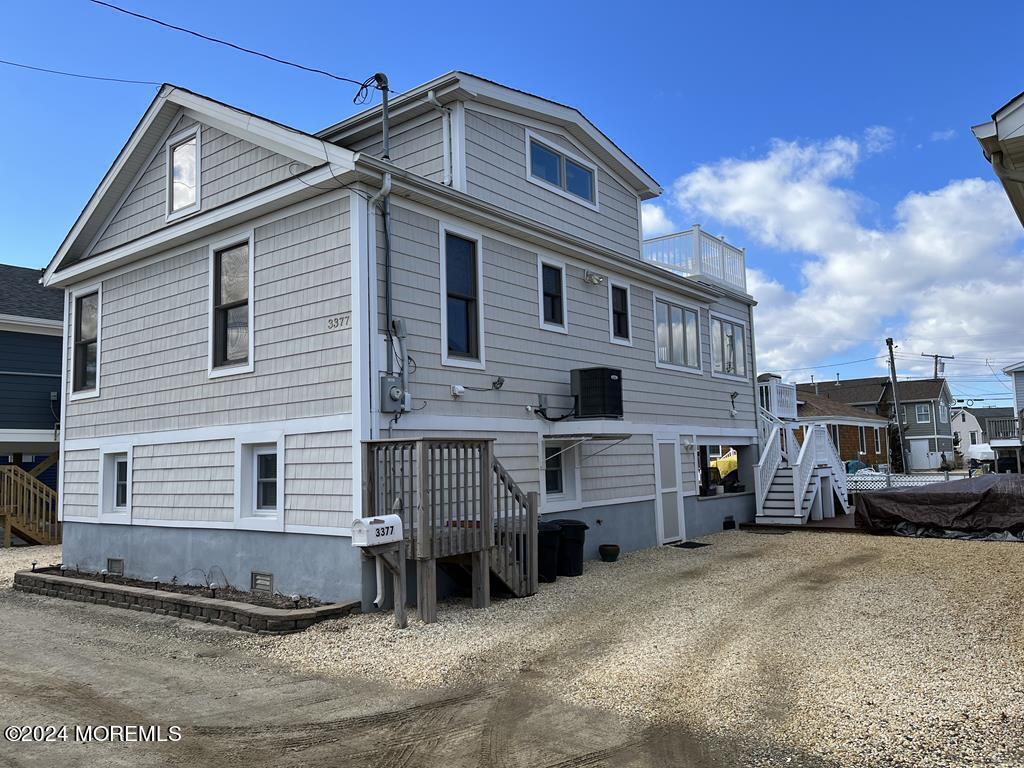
[231,311]
[562,171]
[87,323]
[554,470]
[265,480]
[461,291]
[862,440]
[974,437]
[677,335]
[618,300]
[115,494]
[121,482]
[923,411]
[728,347]
[183,173]
[878,440]
[553,308]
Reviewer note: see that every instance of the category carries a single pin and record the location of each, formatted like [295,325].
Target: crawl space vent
[115,566]
[262,582]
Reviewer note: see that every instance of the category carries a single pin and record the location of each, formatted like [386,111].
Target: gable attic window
[86,352]
[183,173]
[567,174]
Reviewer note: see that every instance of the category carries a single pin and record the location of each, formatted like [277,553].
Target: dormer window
[183,173]
[566,174]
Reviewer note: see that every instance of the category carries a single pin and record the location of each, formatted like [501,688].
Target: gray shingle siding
[415,145]
[496,171]
[230,168]
[302,275]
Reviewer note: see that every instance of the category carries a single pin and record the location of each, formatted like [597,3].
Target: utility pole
[896,403]
[936,358]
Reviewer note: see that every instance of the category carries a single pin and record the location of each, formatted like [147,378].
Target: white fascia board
[301,187]
[38,325]
[265,133]
[1015,367]
[100,194]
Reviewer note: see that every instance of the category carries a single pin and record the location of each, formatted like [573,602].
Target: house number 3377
[338,321]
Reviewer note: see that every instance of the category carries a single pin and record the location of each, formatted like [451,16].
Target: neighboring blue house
[31,329]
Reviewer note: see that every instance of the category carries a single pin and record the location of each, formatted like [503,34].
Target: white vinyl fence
[857,483]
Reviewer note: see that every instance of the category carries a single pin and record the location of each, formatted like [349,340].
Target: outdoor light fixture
[593,278]
[33,566]
[295,600]
[103,575]
[213,589]
[156,583]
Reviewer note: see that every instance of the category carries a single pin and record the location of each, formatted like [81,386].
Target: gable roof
[875,389]
[1013,368]
[21,294]
[811,406]
[151,133]
[463,86]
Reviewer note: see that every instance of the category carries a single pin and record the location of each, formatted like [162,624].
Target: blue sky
[705,96]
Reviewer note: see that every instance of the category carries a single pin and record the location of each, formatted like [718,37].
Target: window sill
[621,342]
[182,213]
[84,394]
[554,328]
[455,362]
[561,192]
[234,370]
[561,505]
[273,522]
[680,369]
[729,376]
[119,517]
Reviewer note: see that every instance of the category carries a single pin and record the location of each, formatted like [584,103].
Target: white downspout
[446,136]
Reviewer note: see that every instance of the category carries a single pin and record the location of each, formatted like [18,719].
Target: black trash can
[548,536]
[570,546]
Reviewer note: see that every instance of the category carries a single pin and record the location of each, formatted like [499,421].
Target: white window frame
[69,340]
[712,316]
[973,434]
[247,446]
[572,483]
[943,413]
[458,362]
[628,342]
[697,371]
[531,136]
[107,512]
[862,439]
[903,414]
[179,138]
[257,451]
[834,430]
[543,261]
[212,371]
[917,413]
[878,440]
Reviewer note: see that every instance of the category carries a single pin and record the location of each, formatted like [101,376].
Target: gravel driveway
[797,650]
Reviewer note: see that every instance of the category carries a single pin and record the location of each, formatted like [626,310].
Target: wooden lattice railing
[29,506]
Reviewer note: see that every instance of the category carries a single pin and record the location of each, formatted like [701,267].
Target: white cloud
[947,135]
[878,138]
[947,276]
[655,220]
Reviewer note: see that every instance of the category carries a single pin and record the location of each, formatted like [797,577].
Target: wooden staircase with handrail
[28,508]
[456,501]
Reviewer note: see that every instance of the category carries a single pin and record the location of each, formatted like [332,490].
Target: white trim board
[37,325]
[341,422]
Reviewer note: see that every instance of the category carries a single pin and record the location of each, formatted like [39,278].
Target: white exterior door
[669,502]
[919,454]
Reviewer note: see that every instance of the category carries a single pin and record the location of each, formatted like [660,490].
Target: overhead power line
[830,365]
[78,74]
[363,84]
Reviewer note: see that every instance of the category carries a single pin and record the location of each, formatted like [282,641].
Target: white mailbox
[371,531]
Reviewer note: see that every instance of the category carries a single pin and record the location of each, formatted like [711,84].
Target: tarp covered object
[984,505]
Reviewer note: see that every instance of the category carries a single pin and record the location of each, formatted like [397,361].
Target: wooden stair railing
[454,499]
[30,506]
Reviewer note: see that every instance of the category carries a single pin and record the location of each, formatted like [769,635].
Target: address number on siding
[339,321]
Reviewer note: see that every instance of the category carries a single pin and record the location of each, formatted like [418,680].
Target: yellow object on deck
[725,465]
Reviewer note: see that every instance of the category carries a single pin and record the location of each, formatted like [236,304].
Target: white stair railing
[828,455]
[803,468]
[764,472]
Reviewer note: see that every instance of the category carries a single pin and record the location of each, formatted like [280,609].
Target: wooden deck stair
[28,508]
[457,503]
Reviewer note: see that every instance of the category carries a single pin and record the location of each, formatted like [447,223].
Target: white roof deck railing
[695,253]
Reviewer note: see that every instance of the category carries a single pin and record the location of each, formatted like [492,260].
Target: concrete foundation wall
[326,567]
[706,515]
[632,526]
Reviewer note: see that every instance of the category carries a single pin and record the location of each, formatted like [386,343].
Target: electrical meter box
[371,531]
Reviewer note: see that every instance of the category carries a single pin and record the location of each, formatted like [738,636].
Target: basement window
[561,476]
[265,488]
[115,485]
